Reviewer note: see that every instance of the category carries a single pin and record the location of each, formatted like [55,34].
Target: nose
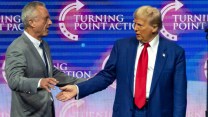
[49,22]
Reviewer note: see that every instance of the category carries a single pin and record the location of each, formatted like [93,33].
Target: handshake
[67,93]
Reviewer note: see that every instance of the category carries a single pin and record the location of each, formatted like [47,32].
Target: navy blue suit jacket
[169,84]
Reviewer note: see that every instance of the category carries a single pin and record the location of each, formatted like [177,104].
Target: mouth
[137,35]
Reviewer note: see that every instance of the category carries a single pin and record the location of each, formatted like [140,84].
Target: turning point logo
[175,5]
[180,21]
[87,22]
[77,5]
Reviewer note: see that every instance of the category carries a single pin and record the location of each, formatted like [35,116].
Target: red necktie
[141,78]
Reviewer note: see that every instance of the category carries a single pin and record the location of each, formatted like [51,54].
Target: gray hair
[28,12]
[151,13]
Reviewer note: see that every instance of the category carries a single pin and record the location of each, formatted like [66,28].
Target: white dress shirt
[152,52]
[36,43]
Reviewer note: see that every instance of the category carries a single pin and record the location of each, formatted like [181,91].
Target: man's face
[41,22]
[143,30]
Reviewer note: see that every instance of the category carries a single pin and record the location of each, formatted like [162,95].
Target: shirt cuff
[77,96]
[39,83]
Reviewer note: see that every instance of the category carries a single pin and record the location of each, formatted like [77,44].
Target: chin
[139,39]
[45,34]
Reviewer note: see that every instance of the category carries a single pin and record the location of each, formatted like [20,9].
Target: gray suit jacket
[24,68]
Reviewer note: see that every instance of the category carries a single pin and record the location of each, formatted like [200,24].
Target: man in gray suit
[29,69]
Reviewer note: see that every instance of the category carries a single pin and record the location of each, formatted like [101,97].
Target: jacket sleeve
[65,79]
[103,79]
[15,67]
[180,86]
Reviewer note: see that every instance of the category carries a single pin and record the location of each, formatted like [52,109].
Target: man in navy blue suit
[150,73]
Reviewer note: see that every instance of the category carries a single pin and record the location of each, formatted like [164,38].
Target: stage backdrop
[82,35]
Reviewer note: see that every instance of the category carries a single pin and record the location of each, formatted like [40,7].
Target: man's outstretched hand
[68,92]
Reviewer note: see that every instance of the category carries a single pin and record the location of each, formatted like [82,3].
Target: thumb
[67,87]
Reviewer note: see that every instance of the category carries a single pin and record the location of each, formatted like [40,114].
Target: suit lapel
[131,56]
[159,64]
[34,50]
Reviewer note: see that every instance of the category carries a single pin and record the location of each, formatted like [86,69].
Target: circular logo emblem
[77,5]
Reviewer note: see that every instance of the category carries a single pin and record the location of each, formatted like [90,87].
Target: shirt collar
[35,41]
[154,43]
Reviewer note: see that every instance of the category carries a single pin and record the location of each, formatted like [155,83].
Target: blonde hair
[151,13]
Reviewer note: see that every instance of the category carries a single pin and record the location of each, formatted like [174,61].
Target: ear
[154,28]
[32,23]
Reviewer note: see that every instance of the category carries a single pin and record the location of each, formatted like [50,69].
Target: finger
[66,98]
[67,87]
[47,89]
[61,98]
[51,86]
[53,81]
[48,85]
[59,95]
